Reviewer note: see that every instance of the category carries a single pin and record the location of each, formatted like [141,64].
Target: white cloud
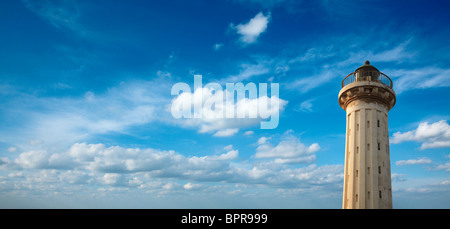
[435,135]
[97,164]
[230,155]
[249,132]
[289,150]
[116,160]
[306,106]
[262,140]
[226,132]
[190,186]
[33,159]
[445,167]
[228,147]
[251,30]
[43,160]
[215,120]
[76,177]
[114,179]
[418,161]
[12,149]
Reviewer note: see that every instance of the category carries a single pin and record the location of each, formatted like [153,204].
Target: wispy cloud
[418,161]
[248,70]
[226,132]
[331,67]
[306,84]
[61,14]
[64,120]
[419,78]
[400,53]
[445,167]
[305,106]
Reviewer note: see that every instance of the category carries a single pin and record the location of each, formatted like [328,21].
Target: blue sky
[85,94]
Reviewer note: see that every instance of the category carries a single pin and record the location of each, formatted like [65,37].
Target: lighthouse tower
[367,96]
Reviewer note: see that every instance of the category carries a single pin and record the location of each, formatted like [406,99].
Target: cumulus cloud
[251,30]
[262,140]
[37,159]
[213,117]
[231,155]
[190,186]
[434,135]
[418,161]
[288,150]
[115,160]
[115,166]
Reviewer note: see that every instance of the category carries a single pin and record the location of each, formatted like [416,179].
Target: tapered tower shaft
[367,96]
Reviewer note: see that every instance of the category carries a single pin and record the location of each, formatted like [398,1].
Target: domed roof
[367,66]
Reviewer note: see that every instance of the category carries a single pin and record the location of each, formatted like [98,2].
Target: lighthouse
[367,95]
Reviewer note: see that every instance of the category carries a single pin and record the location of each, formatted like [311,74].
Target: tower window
[378,123]
[356,173]
[368,146]
[357,126]
[368,124]
[368,195]
[357,149]
[356,197]
[379,169]
[368,170]
[379,146]
[380,194]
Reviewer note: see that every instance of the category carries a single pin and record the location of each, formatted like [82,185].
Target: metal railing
[367,76]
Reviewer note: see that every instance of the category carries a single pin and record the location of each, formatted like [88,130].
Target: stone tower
[367,96]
